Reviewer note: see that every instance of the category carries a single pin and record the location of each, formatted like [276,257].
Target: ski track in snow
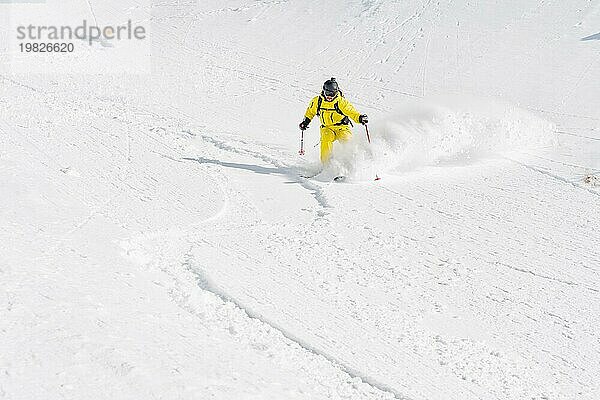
[205,283]
[291,172]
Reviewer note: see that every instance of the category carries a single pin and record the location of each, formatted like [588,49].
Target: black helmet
[330,88]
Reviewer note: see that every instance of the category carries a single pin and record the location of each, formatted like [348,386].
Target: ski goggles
[328,93]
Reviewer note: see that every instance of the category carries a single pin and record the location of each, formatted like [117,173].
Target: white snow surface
[157,240]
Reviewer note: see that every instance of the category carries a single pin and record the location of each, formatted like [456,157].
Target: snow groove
[542,276]
[204,282]
[554,176]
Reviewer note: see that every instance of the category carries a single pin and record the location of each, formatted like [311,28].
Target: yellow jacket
[332,112]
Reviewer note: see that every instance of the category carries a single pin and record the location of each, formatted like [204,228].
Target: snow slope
[157,241]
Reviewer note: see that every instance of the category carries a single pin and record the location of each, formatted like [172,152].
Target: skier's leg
[343,133]
[327,138]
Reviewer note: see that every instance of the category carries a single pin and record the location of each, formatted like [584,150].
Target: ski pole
[301,152]
[369,139]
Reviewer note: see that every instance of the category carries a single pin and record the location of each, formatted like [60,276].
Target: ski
[338,179]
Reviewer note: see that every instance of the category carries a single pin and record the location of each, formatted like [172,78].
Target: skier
[335,113]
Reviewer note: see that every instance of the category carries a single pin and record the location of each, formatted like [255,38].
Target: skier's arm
[311,111]
[348,109]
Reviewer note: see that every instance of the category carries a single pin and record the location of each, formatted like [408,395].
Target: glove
[363,119]
[304,124]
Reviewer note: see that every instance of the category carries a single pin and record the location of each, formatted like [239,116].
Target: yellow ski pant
[330,134]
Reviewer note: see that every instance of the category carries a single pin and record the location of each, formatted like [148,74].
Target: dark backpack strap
[337,109]
[344,121]
[319,105]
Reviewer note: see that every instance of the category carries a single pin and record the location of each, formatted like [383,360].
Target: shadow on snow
[291,173]
[592,37]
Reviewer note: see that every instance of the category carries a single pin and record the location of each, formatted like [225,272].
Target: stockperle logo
[85,31]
